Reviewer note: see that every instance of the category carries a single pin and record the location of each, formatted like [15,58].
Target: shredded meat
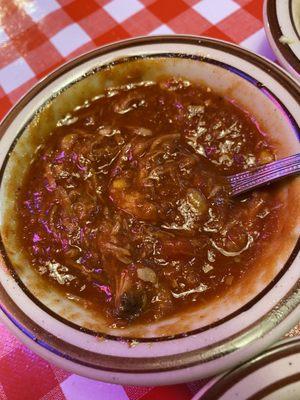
[126,205]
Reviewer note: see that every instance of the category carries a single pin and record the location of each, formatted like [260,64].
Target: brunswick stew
[125,208]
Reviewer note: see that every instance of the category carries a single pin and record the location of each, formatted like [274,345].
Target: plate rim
[283,51]
[219,385]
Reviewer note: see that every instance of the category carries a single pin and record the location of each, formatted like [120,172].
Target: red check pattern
[37,36]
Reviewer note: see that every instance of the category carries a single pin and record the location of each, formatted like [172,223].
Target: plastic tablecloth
[37,36]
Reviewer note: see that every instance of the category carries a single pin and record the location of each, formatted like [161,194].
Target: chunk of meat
[130,298]
[198,202]
[140,131]
[139,186]
[68,141]
[129,102]
[132,202]
[162,301]
[177,248]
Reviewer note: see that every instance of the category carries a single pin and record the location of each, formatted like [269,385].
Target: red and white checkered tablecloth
[36,36]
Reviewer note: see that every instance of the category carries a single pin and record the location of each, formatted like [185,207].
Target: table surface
[37,36]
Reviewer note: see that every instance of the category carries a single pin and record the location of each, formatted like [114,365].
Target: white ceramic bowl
[273,375]
[197,344]
[282,26]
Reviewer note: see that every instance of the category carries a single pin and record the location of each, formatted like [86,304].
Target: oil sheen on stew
[124,207]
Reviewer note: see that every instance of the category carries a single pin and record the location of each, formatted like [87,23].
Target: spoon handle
[263,175]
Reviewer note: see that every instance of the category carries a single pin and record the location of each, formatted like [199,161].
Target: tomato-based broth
[125,207]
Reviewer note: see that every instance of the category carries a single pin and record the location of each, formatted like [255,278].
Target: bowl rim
[272,68]
[228,317]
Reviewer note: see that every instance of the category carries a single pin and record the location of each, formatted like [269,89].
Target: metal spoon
[263,175]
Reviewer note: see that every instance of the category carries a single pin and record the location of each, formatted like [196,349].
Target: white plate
[282,25]
[273,375]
